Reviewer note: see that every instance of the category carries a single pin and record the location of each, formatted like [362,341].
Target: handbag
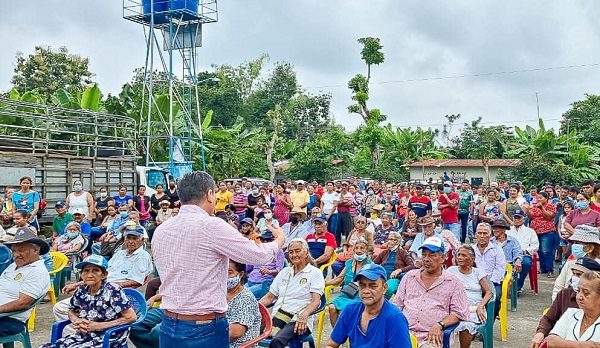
[350,290]
[282,317]
[108,248]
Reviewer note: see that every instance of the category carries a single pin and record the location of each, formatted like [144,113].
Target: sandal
[551,275]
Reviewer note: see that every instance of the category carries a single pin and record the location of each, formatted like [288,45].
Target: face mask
[72,235]
[427,190]
[575,283]
[172,186]
[577,251]
[103,194]
[373,215]
[394,248]
[447,189]
[238,191]
[360,258]
[254,192]
[437,229]
[582,205]
[294,220]
[232,282]
[77,187]
[123,214]
[370,192]
[268,216]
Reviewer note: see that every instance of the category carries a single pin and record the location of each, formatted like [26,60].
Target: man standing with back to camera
[191,252]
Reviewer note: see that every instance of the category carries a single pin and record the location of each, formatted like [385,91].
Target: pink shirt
[191,253]
[424,307]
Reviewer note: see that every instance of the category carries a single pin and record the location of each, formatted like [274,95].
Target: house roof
[508,162]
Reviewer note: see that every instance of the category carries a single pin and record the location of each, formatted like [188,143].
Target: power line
[468,75]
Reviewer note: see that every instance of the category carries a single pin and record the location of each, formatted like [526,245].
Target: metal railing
[37,128]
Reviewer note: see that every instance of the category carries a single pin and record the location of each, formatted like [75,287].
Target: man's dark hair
[193,187]
[588,182]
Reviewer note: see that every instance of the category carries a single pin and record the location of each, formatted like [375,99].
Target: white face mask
[268,216]
[575,283]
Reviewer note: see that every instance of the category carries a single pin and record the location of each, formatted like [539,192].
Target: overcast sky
[421,39]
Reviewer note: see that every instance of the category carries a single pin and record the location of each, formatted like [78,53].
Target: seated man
[309,224]
[294,228]
[565,299]
[113,228]
[61,219]
[128,268]
[147,333]
[491,259]
[427,223]
[510,245]
[24,281]
[321,243]
[432,298]
[79,217]
[372,322]
[529,243]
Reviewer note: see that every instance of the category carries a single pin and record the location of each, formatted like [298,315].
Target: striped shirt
[191,253]
[240,198]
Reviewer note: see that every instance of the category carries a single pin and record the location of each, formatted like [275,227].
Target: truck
[56,146]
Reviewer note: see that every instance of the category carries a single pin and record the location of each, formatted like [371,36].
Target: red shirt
[449,215]
[541,224]
[594,207]
[320,190]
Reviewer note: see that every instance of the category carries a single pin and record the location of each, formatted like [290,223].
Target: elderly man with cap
[427,224]
[527,240]
[79,217]
[294,228]
[164,213]
[510,245]
[585,242]
[565,299]
[448,207]
[61,219]
[322,243]
[128,268]
[432,298]
[491,259]
[372,322]
[24,281]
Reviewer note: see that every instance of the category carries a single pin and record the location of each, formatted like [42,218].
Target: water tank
[170,5]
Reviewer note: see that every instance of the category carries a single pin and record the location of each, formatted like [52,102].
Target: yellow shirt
[222,200]
[299,198]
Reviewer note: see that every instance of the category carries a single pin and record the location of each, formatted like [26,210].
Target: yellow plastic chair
[327,293]
[545,311]
[60,262]
[330,262]
[504,303]
[413,341]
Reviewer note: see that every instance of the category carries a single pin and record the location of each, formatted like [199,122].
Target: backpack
[42,210]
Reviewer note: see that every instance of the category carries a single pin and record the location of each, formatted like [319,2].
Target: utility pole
[537,101]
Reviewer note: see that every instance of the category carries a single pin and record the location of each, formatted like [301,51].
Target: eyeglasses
[394,239]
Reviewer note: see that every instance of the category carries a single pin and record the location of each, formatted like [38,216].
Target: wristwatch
[442,324]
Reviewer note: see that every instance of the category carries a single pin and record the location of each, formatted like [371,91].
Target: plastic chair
[5,257]
[76,257]
[545,311]
[413,341]
[265,321]
[504,303]
[327,294]
[298,343]
[449,257]
[513,294]
[486,330]
[544,345]
[329,263]
[60,261]
[138,303]
[23,337]
[533,274]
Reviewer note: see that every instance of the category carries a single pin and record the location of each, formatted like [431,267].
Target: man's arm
[331,344]
[21,303]
[500,266]
[267,299]
[326,255]
[129,284]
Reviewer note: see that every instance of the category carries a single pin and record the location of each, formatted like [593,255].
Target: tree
[372,134]
[47,71]
[584,117]
[275,118]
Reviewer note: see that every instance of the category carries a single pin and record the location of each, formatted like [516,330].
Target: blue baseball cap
[60,204]
[320,217]
[434,244]
[97,260]
[371,271]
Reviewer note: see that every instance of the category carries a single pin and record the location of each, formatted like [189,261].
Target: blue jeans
[332,223]
[96,232]
[10,326]
[257,288]
[147,333]
[463,218]
[188,334]
[526,263]
[454,228]
[337,267]
[548,245]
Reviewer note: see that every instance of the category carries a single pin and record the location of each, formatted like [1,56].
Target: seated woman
[396,262]
[293,318]
[242,308]
[111,211]
[451,243]
[96,305]
[260,277]
[579,327]
[261,225]
[352,266]
[247,230]
[382,231]
[476,284]
[359,231]
[69,242]
[409,229]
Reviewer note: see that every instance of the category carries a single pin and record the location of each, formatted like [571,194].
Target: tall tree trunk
[374,157]
[275,116]
[485,162]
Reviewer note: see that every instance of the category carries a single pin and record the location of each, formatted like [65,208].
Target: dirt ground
[521,324]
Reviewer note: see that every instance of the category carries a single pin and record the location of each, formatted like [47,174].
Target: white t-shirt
[471,283]
[79,202]
[328,200]
[294,292]
[569,324]
[32,280]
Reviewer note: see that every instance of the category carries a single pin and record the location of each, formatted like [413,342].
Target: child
[562,231]
[451,243]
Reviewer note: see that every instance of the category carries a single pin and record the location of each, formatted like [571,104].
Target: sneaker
[519,291]
[551,275]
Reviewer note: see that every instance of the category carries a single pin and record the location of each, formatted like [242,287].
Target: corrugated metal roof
[508,162]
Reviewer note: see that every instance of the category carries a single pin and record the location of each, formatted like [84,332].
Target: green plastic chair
[23,337]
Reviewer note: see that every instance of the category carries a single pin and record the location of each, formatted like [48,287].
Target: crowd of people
[409,259]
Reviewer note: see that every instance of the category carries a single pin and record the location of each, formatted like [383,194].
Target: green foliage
[371,52]
[584,117]
[90,99]
[48,70]
[537,173]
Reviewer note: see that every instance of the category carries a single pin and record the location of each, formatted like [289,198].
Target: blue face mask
[77,187]
[582,205]
[427,191]
[72,235]
[577,251]
[123,214]
[447,189]
[438,229]
[254,192]
[233,281]
[360,258]
[370,192]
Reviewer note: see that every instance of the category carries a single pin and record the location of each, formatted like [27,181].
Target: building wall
[416,173]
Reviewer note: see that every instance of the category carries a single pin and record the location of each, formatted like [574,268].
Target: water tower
[173,33]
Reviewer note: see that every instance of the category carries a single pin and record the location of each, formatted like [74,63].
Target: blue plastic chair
[486,330]
[138,303]
[23,337]
[298,343]
[65,274]
[5,257]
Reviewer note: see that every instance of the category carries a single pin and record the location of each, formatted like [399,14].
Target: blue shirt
[388,329]
[119,200]
[511,247]
[25,201]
